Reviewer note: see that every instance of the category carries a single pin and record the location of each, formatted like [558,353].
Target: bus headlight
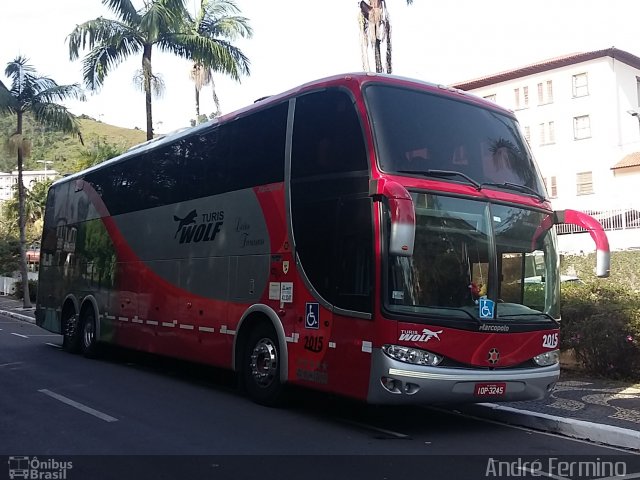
[547,358]
[412,355]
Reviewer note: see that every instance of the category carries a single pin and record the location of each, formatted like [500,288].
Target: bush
[601,323]
[33,290]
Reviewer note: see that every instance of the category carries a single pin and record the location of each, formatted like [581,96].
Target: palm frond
[8,103]
[56,117]
[216,54]
[230,27]
[156,82]
[99,61]
[18,67]
[58,93]
[162,16]
[124,9]
[201,76]
[100,31]
[18,141]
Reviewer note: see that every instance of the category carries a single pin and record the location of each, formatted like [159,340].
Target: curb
[580,429]
[18,316]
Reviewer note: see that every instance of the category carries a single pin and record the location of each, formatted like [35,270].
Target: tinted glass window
[328,168]
[327,135]
[258,144]
[241,154]
[417,131]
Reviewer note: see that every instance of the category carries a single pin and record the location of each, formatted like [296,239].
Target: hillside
[64,150]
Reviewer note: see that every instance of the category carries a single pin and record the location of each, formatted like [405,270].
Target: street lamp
[45,166]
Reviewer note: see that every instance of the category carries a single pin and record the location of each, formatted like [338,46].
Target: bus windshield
[417,133]
[466,250]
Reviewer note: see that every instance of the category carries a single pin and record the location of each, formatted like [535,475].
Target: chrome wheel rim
[88,332]
[264,362]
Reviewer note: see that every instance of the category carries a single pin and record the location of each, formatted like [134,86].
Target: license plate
[490,389]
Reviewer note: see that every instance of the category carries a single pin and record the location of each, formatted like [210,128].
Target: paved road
[54,403]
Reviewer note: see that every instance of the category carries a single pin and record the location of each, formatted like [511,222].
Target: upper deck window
[417,131]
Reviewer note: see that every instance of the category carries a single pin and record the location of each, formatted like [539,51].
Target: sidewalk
[598,410]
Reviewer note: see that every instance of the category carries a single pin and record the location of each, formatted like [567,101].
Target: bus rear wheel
[88,344]
[261,366]
[70,332]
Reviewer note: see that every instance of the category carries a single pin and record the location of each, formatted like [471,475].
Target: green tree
[9,255]
[35,200]
[38,95]
[219,21]
[375,28]
[97,152]
[160,23]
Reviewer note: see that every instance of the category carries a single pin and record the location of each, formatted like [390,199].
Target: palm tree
[159,23]
[375,28]
[218,21]
[30,93]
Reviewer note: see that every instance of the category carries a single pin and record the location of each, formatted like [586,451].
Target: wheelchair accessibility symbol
[486,308]
[312,316]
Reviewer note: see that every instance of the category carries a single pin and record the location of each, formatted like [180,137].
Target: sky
[296,41]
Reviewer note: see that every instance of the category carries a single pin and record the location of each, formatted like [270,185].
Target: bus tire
[88,340]
[70,332]
[261,366]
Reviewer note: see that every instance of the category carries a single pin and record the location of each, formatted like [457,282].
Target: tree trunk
[147,73]
[378,56]
[197,103]
[26,302]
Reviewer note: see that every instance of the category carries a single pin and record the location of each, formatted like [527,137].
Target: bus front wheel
[261,366]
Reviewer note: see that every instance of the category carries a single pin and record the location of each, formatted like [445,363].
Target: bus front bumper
[414,384]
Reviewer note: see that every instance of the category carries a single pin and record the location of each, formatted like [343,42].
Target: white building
[8,180]
[581,116]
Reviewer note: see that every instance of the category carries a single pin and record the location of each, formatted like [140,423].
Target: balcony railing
[614,219]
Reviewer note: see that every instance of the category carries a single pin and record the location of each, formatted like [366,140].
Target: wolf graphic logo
[189,219]
[429,334]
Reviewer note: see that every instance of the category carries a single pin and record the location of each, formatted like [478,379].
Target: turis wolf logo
[414,336]
[187,220]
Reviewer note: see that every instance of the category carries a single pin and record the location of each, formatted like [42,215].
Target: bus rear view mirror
[401,213]
[591,225]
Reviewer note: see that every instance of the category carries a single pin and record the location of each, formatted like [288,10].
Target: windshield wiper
[515,186]
[444,173]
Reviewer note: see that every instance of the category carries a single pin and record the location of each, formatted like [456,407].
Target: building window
[552,186]
[580,85]
[527,134]
[491,98]
[584,183]
[545,95]
[581,127]
[547,133]
[638,89]
[521,101]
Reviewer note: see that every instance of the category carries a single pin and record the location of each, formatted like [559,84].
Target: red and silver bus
[372,236]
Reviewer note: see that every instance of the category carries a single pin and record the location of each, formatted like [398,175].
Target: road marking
[79,406]
[167,324]
[53,345]
[375,429]
[45,335]
[19,335]
[207,329]
[12,363]
[186,327]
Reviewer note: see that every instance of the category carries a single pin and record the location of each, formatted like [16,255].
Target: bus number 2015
[313,343]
